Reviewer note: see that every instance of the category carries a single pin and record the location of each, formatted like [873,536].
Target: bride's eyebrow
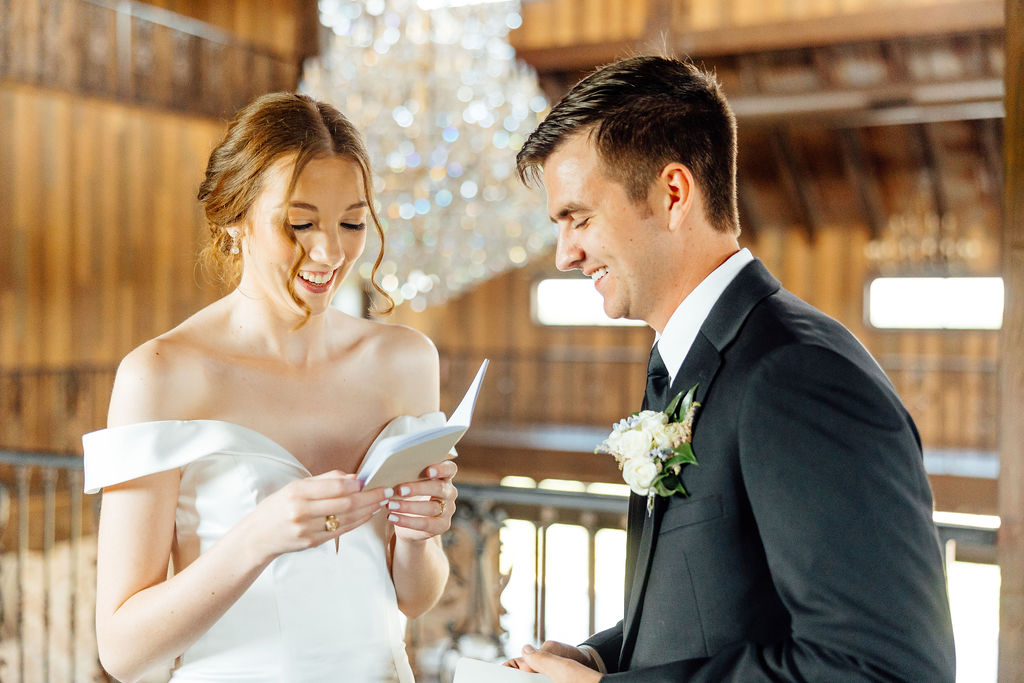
[312,207]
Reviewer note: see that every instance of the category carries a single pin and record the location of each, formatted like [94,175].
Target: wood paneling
[100,225]
[135,52]
[286,28]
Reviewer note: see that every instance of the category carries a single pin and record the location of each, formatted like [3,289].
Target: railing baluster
[75,542]
[589,524]
[49,538]
[538,579]
[24,478]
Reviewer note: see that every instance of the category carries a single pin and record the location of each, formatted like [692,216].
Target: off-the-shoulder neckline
[225,423]
[249,430]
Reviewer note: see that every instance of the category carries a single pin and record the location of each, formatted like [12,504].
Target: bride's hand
[423,509]
[303,513]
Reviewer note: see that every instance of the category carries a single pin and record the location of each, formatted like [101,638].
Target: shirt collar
[682,328]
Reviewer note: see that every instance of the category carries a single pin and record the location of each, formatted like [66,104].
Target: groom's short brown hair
[643,113]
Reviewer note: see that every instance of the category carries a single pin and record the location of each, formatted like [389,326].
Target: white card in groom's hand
[397,459]
[477,671]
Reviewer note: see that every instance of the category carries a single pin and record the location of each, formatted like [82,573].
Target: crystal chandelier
[444,106]
[921,241]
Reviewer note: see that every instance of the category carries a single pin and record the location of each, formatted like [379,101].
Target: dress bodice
[316,615]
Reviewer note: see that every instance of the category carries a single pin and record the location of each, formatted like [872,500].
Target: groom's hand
[560,662]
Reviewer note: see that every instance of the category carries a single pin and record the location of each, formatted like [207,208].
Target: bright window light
[936,303]
[562,301]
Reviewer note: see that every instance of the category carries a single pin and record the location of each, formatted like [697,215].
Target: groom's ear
[679,193]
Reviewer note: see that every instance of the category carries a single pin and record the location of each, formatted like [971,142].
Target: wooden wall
[287,28]
[101,229]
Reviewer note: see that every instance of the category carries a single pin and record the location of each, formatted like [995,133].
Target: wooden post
[1011,453]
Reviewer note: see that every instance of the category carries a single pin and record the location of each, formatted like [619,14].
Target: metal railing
[47,570]
[47,564]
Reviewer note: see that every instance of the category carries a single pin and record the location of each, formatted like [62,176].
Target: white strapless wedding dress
[314,615]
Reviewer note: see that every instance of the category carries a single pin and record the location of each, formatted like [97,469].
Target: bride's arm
[419,566]
[143,617]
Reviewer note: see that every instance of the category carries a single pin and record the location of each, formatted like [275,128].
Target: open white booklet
[477,671]
[401,458]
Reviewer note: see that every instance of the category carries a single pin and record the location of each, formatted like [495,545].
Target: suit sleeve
[832,468]
[608,644]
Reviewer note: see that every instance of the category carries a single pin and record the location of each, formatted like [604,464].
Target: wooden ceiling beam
[954,17]
[883,105]
[877,24]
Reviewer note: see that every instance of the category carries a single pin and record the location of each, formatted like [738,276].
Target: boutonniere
[652,448]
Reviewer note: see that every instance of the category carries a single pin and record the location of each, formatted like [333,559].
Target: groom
[806,548]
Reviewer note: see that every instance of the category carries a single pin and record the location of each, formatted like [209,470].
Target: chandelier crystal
[435,88]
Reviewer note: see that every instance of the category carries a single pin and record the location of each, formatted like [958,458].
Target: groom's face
[602,232]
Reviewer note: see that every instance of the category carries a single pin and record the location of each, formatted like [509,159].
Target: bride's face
[327,214]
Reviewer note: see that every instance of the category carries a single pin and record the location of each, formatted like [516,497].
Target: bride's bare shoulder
[399,345]
[163,378]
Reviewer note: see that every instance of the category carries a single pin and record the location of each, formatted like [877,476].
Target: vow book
[478,671]
[401,458]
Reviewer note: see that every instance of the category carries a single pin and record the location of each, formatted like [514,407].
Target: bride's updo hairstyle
[272,126]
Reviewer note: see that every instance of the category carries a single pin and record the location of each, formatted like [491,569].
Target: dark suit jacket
[806,550]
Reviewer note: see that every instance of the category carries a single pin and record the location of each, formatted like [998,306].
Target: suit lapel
[752,284]
[699,368]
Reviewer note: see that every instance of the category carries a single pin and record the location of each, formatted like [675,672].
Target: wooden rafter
[795,180]
[991,152]
[923,150]
[862,179]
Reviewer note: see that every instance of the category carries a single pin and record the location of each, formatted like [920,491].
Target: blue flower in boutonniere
[652,448]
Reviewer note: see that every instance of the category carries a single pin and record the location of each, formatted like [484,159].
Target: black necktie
[656,394]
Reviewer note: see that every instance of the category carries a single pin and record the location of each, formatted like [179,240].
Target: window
[936,303]
[562,301]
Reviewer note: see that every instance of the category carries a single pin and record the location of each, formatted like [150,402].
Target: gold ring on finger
[331,523]
[441,503]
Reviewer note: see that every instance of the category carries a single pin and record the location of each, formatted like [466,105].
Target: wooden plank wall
[101,230]
[284,27]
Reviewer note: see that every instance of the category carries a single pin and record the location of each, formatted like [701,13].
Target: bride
[232,439]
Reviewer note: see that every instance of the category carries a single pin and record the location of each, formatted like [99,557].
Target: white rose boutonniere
[652,448]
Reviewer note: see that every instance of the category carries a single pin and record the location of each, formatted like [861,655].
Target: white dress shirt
[682,328]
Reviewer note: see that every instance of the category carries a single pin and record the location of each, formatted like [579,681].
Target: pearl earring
[234,245]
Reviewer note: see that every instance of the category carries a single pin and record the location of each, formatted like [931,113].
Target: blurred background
[880,178]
